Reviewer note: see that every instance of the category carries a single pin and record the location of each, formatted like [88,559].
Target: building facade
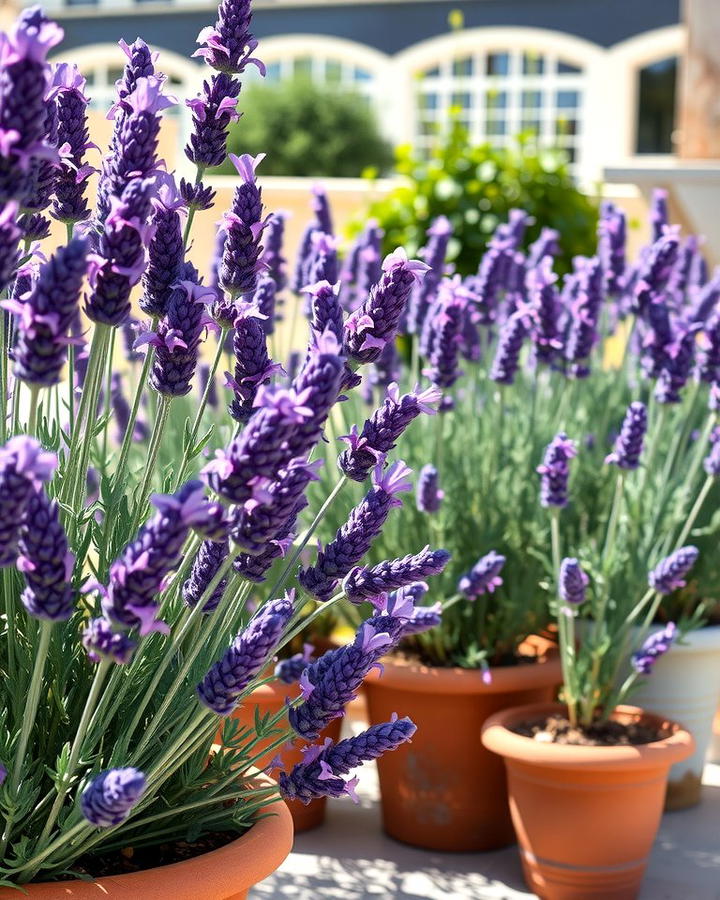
[595,77]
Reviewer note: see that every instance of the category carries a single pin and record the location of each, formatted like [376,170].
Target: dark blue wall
[390,26]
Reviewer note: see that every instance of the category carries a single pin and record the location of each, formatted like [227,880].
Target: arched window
[499,93]
[656,106]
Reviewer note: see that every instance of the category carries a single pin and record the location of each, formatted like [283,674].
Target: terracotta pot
[585,817]
[685,686]
[270,699]
[224,874]
[444,791]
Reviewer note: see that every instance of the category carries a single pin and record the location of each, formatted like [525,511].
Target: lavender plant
[138,610]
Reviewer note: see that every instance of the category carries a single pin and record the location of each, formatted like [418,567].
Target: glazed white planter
[685,687]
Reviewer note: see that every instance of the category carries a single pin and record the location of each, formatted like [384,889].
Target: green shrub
[475,187]
[313,130]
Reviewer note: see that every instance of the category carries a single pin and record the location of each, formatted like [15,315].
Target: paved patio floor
[350,858]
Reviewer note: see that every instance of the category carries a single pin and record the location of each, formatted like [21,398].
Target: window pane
[531,99]
[565,126]
[361,74]
[333,71]
[566,68]
[432,73]
[429,101]
[656,107]
[302,66]
[497,64]
[273,72]
[462,67]
[533,64]
[496,99]
[428,128]
[530,125]
[567,99]
[463,99]
[495,126]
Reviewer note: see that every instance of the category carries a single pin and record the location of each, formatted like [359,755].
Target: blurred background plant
[475,187]
[315,130]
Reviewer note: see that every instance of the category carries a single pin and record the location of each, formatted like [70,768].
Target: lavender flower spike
[227,679]
[363,583]
[669,574]
[546,306]
[253,367]
[484,576]
[428,496]
[228,45]
[24,466]
[655,646]
[9,237]
[212,114]
[507,356]
[319,773]
[373,324]
[289,670]
[166,251]
[244,227]
[45,561]
[384,427]
[325,310]
[102,642]
[110,797]
[555,471]
[711,463]
[138,576]
[573,582]
[210,557]
[70,204]
[629,444]
[331,682]
[353,540]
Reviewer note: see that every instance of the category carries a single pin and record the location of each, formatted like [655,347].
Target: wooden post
[699,95]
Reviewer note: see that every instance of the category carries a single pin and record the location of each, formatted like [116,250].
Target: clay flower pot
[224,874]
[270,699]
[444,791]
[585,817]
[685,687]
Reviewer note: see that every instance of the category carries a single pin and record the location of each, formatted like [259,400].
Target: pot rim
[248,856]
[497,736]
[418,678]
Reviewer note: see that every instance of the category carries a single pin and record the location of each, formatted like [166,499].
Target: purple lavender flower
[45,316]
[428,496]
[659,213]
[331,682]
[629,443]
[23,87]
[544,301]
[324,261]
[706,298]
[319,774]
[45,561]
[375,322]
[256,523]
[547,244]
[255,567]
[253,366]
[491,278]
[34,227]
[655,646]
[212,114]
[246,656]
[120,259]
[612,236]
[289,670]
[708,363]
[422,618]
[507,357]
[110,797]
[585,313]
[353,539]
[325,310]
[433,253]
[165,252]
[362,582]
[321,208]
[655,270]
[383,428]
[573,582]
[177,339]
[555,471]
[244,227]
[9,236]
[70,203]
[677,365]
[484,576]
[711,463]
[446,325]
[24,466]
[228,45]
[102,642]
[304,258]
[669,574]
[261,450]
[264,300]
[210,557]
[137,577]
[272,256]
